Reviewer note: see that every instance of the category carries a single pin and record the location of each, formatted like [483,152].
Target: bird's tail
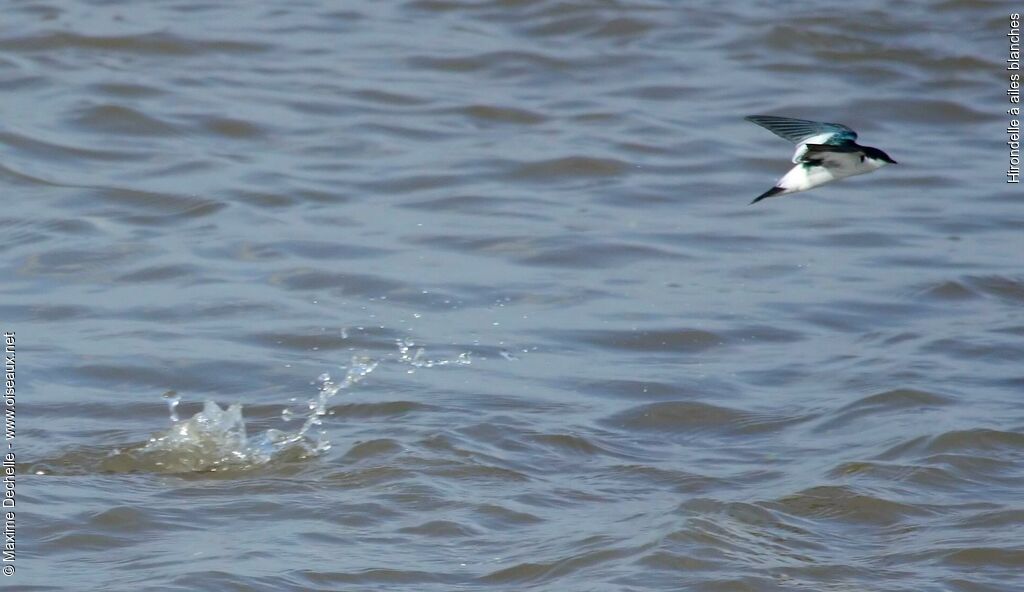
[769,193]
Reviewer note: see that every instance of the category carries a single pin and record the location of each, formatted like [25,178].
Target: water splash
[215,439]
[358,369]
[417,357]
[172,404]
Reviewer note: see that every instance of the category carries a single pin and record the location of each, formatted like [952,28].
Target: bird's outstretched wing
[799,130]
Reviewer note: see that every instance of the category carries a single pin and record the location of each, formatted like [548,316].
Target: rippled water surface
[466,295]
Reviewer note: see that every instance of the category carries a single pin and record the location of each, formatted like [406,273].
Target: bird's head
[876,157]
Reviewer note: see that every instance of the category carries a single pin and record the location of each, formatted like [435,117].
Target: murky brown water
[630,380]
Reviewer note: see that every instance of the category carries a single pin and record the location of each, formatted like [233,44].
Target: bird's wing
[839,158]
[799,130]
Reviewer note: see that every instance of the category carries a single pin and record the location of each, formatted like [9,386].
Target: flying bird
[825,152]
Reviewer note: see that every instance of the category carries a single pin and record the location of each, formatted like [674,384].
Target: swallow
[825,152]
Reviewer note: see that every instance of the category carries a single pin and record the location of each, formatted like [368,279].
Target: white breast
[801,178]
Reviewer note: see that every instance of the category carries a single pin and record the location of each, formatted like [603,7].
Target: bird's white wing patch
[801,148]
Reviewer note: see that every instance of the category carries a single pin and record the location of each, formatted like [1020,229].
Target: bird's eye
[862,158]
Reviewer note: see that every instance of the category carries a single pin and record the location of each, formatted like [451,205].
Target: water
[468,296]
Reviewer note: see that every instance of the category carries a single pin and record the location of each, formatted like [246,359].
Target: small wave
[693,417]
[568,167]
[682,340]
[509,115]
[846,504]
[159,43]
[118,120]
[1010,289]
[872,407]
[499,63]
[949,290]
[536,573]
[44,149]
[233,129]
